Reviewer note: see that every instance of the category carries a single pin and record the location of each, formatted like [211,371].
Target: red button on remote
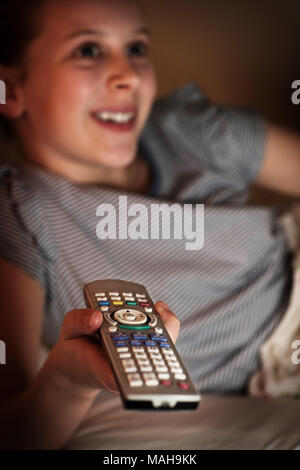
[144,304]
[183,385]
[167,383]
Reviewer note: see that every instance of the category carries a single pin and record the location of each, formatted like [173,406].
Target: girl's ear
[11,93]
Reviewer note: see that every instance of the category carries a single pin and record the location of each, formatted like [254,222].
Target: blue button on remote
[103,303]
[150,343]
[155,337]
[164,345]
[119,344]
[135,343]
[119,337]
[138,336]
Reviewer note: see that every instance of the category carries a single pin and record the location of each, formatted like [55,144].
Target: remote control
[147,367]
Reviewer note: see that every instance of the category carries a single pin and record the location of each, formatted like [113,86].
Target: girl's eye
[88,51]
[138,49]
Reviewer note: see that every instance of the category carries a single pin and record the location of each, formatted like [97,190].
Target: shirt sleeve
[24,239]
[228,141]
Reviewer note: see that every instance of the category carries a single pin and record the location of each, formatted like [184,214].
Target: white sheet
[221,422]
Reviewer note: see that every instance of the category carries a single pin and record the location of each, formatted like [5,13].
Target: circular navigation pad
[130,317]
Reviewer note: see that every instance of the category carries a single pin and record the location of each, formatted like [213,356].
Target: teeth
[116,117]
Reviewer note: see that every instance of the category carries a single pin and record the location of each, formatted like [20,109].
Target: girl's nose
[123,75]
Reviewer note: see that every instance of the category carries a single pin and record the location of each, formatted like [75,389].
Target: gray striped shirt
[229,296]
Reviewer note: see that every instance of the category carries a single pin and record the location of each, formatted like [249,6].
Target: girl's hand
[78,358]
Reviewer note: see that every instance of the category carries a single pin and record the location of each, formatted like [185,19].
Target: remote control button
[174,364]
[119,344]
[103,303]
[130,299]
[138,350]
[135,343]
[114,294]
[112,329]
[104,309]
[163,376]
[150,343]
[139,336]
[130,369]
[130,317]
[146,368]
[153,350]
[156,358]
[100,294]
[119,336]
[144,304]
[121,350]
[168,352]
[149,310]
[125,355]
[183,385]
[158,330]
[128,362]
[101,299]
[180,376]
[176,370]
[109,320]
[115,298]
[156,337]
[117,302]
[131,303]
[166,383]
[158,362]
[161,369]
[171,359]
[164,345]
[134,380]
[143,362]
[127,294]
[153,321]
[140,355]
[142,296]
[150,379]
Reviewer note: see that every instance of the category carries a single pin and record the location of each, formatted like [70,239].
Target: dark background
[240,52]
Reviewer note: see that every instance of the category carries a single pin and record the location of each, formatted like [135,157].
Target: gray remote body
[147,367]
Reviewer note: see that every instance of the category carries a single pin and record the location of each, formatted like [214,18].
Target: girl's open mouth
[116,121]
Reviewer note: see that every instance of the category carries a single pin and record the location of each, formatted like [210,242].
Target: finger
[170,321]
[81,322]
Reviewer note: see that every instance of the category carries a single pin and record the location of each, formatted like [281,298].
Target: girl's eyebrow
[84,32]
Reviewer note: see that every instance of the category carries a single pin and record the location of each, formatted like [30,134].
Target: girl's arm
[42,409]
[37,410]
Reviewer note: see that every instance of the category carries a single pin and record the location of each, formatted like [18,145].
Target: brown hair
[18,27]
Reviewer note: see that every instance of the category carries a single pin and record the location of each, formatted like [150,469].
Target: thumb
[77,323]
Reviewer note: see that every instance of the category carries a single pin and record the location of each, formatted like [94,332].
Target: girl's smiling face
[91,55]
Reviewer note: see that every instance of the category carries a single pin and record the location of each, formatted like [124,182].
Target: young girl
[69,66]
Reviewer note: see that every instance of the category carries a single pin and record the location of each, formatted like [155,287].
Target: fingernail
[163,305]
[94,318]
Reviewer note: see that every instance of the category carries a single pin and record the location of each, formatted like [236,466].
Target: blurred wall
[241,52]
